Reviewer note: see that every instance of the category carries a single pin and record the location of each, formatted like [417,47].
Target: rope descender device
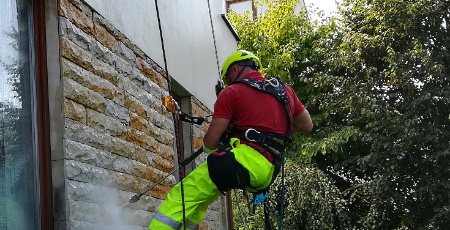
[172,106]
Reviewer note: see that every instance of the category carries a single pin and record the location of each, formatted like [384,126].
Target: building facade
[83,127]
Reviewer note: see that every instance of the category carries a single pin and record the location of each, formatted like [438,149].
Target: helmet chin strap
[240,73]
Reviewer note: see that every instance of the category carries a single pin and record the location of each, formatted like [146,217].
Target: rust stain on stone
[159,191]
[135,107]
[139,123]
[74,111]
[75,14]
[162,163]
[147,70]
[141,156]
[104,37]
[197,143]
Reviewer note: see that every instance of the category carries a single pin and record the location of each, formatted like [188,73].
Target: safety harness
[271,142]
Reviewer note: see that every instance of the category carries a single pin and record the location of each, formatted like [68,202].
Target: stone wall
[118,137]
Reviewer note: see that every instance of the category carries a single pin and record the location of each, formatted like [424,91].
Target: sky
[328,6]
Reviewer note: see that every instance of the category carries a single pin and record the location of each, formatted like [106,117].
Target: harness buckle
[247,136]
[273,82]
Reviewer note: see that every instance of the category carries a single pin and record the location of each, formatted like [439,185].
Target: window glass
[18,164]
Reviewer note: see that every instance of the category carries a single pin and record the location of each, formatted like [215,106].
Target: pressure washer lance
[185,162]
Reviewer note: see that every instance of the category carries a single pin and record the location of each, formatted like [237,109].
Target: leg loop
[226,172]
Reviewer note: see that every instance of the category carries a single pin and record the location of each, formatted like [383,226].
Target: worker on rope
[263,114]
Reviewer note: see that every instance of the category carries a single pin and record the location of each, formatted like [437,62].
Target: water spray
[185,162]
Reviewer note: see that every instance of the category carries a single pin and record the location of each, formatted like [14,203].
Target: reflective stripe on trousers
[173,223]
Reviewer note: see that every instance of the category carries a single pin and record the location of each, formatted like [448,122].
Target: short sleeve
[296,105]
[223,107]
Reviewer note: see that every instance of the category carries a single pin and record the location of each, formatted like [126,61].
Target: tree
[377,84]
[389,68]
[285,42]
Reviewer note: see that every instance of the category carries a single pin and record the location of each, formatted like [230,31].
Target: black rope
[282,193]
[214,37]
[175,117]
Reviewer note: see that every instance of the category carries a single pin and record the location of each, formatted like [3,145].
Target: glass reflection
[17,152]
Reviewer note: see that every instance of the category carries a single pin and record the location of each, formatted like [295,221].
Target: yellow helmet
[240,55]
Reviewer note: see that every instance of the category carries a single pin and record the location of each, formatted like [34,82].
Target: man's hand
[219,86]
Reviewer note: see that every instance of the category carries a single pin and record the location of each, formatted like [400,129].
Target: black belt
[275,143]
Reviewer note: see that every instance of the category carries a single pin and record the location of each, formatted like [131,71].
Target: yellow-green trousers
[200,191]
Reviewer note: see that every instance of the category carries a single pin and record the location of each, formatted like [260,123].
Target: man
[252,122]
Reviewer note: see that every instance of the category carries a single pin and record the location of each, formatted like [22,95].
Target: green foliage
[377,84]
[275,36]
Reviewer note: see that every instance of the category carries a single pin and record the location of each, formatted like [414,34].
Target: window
[20,173]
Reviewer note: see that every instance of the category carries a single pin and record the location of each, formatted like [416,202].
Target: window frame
[42,116]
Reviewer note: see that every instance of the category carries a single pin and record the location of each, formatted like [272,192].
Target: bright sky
[328,6]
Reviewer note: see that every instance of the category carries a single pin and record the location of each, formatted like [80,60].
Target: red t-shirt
[247,107]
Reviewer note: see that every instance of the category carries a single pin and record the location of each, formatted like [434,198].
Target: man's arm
[303,122]
[215,130]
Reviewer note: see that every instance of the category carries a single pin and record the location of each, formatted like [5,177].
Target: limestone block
[87,60]
[126,53]
[105,124]
[68,30]
[135,106]
[104,36]
[79,14]
[89,155]
[87,173]
[99,19]
[74,111]
[142,155]
[108,215]
[87,42]
[145,83]
[148,71]
[145,126]
[154,160]
[122,147]
[162,164]
[166,151]
[117,111]
[197,143]
[161,121]
[198,132]
[84,134]
[99,194]
[141,139]
[82,95]
[140,94]
[123,67]
[92,81]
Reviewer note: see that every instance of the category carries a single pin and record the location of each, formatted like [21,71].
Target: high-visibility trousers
[200,191]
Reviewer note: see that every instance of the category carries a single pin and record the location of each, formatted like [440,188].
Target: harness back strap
[274,87]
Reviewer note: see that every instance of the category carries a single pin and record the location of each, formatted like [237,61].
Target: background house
[82,125]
